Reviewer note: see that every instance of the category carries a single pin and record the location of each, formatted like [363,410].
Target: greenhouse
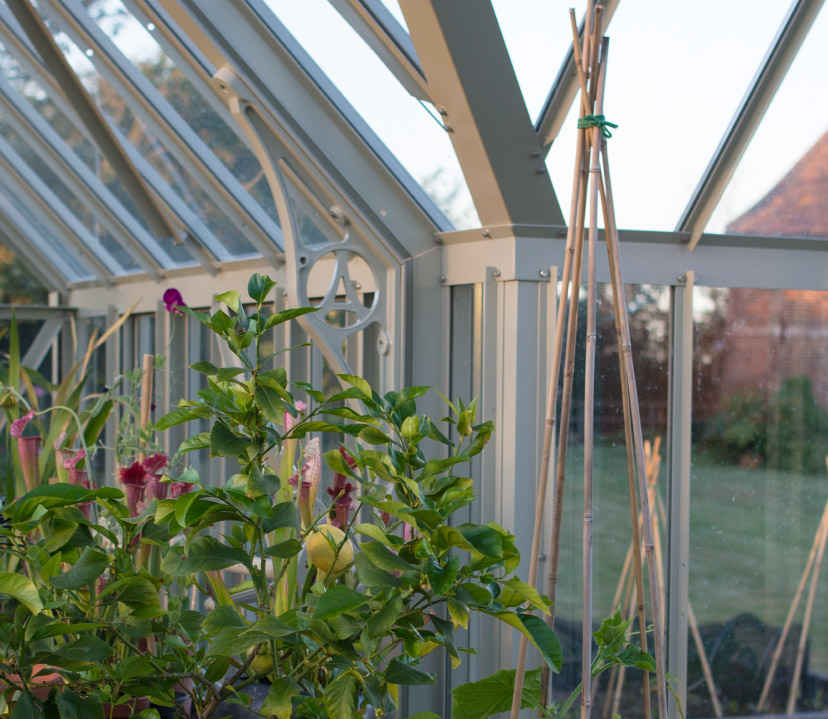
[340,378]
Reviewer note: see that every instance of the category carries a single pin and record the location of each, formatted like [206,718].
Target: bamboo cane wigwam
[592,180]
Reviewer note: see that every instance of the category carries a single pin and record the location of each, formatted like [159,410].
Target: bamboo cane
[786,627]
[549,424]
[806,621]
[706,670]
[626,348]
[582,175]
[618,301]
[146,396]
[589,382]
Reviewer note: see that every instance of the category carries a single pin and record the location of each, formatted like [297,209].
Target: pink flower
[61,457]
[78,476]
[134,480]
[290,420]
[173,300]
[311,472]
[28,449]
[176,489]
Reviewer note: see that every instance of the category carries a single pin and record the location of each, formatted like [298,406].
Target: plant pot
[257,692]
[42,683]
[182,699]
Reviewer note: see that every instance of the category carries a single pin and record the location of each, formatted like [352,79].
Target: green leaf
[203,367]
[231,298]
[338,600]
[262,483]
[25,709]
[141,596]
[544,639]
[284,550]
[285,315]
[91,564]
[398,672]
[206,554]
[272,406]
[279,699]
[372,435]
[487,541]
[285,516]
[440,577]
[633,656]
[458,611]
[536,631]
[229,642]
[359,383]
[177,416]
[424,715]
[22,589]
[222,618]
[372,576]
[340,696]
[198,441]
[373,531]
[514,592]
[258,287]
[382,557]
[492,695]
[86,650]
[51,496]
[223,443]
[385,618]
[612,635]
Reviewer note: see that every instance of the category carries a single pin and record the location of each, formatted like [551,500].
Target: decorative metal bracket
[335,260]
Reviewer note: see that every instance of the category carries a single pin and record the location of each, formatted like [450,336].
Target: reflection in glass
[759,487]
[648,308]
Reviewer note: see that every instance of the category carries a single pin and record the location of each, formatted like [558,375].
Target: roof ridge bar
[751,110]
[163,120]
[88,111]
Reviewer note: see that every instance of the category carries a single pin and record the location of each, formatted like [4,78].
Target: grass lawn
[751,532]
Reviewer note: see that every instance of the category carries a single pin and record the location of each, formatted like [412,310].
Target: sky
[676,74]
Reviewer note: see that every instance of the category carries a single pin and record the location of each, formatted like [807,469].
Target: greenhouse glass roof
[387,107]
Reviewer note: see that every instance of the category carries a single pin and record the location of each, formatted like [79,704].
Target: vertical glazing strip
[678,484]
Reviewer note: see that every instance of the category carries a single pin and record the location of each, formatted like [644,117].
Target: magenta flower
[173,301]
[78,476]
[341,492]
[152,468]
[133,478]
[28,449]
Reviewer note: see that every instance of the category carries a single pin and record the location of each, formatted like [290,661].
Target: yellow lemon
[321,554]
[263,661]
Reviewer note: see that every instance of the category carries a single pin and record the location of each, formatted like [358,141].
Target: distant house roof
[798,205]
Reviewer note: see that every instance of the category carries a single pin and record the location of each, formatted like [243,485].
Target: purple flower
[28,449]
[173,300]
[341,492]
[134,480]
[152,468]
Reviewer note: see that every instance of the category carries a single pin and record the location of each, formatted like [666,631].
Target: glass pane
[17,286]
[612,528]
[779,187]
[667,92]
[760,438]
[138,43]
[408,128]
